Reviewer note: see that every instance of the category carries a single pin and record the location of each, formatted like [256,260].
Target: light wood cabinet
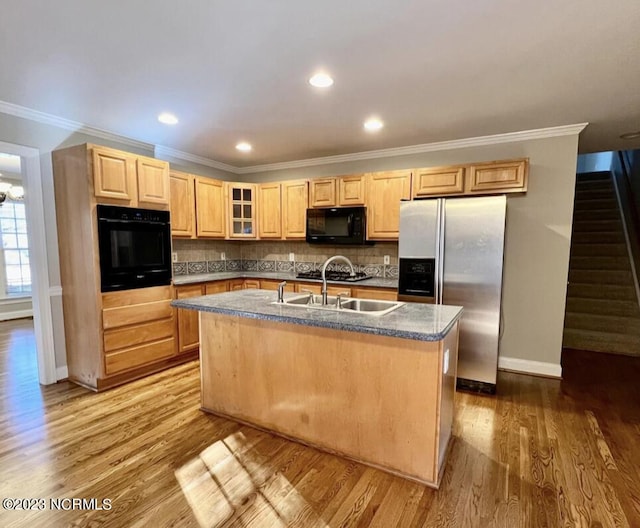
[337,192]
[316,288]
[183,205]
[437,181]
[121,178]
[187,326]
[210,208]
[114,175]
[269,210]
[137,328]
[236,284]
[153,182]
[381,294]
[498,176]
[271,284]
[216,287]
[385,190]
[295,196]
[322,193]
[242,210]
[351,190]
[251,284]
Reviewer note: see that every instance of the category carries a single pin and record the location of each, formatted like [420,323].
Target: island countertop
[421,322]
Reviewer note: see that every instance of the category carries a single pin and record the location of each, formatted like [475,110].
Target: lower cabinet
[187,320]
[138,328]
[380,294]
[316,288]
[270,284]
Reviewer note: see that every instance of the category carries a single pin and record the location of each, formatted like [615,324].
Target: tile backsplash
[205,256]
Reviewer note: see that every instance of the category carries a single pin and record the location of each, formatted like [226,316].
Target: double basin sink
[344,305]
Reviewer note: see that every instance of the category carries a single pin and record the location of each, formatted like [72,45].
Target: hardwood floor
[541,453]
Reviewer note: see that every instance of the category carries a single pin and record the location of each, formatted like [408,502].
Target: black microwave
[337,225]
[135,247]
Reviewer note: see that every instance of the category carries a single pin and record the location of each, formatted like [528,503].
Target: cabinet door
[316,288]
[153,182]
[236,284]
[270,284]
[216,287]
[188,325]
[210,208]
[251,284]
[437,181]
[114,176]
[242,210]
[351,190]
[322,193]
[381,294]
[183,205]
[295,197]
[385,190]
[269,211]
[502,176]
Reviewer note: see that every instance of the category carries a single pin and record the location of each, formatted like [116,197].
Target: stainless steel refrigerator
[451,252]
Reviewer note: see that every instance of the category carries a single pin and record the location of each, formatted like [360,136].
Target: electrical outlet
[174,257]
[292,257]
[387,259]
[223,256]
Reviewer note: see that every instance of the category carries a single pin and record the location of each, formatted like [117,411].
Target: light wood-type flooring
[542,453]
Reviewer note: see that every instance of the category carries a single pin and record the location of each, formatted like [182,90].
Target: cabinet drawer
[317,288]
[137,356]
[216,287]
[380,294]
[139,296]
[134,314]
[129,336]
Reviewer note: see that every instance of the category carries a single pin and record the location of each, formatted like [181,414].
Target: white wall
[538,236]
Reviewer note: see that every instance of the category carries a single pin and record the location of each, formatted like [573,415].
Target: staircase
[602,313]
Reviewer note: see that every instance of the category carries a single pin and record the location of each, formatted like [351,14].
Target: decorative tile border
[180,268]
[391,272]
[266,265]
[249,265]
[233,265]
[284,266]
[215,266]
[303,267]
[197,267]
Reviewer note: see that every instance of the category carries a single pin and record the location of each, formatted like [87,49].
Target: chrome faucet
[324,277]
[281,291]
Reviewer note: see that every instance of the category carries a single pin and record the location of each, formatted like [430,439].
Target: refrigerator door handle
[439,271]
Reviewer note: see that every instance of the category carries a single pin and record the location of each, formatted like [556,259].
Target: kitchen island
[377,389]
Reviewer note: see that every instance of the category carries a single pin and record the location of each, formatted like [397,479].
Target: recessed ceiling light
[630,135]
[321,80]
[243,146]
[373,124]
[167,118]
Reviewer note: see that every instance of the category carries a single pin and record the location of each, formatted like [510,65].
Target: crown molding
[161,151]
[68,124]
[167,152]
[496,139]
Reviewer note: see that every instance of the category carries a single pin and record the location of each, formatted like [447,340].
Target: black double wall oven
[135,247]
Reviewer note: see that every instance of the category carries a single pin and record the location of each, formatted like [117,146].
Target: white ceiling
[433,70]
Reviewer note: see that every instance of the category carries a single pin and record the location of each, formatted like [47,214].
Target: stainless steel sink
[347,304]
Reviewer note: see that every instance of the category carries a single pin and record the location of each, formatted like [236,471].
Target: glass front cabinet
[242,210]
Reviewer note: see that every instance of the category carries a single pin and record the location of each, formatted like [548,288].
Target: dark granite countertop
[374,282]
[422,322]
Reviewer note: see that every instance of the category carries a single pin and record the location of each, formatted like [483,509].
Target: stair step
[603,323]
[596,176]
[603,307]
[599,250]
[597,226]
[601,342]
[595,215]
[600,291]
[599,263]
[619,277]
[600,203]
[596,185]
[595,194]
[598,237]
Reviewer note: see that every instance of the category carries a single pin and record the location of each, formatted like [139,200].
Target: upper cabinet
[385,190]
[210,208]
[337,192]
[242,210]
[498,176]
[295,196]
[121,178]
[183,205]
[437,181]
[269,210]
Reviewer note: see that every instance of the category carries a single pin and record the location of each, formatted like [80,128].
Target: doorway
[31,264]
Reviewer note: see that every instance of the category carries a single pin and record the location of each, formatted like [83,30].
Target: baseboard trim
[16,314]
[62,373]
[538,368]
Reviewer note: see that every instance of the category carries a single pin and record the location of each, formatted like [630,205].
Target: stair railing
[620,170]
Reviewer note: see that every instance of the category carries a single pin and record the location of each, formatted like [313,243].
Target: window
[15,246]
